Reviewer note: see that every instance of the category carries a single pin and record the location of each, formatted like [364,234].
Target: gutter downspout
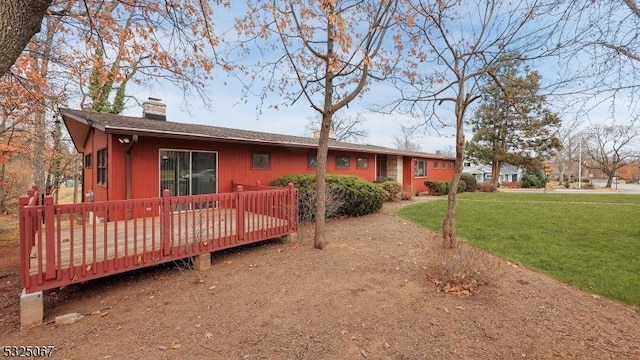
[127,170]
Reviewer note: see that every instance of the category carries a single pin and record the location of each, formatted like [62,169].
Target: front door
[381,166]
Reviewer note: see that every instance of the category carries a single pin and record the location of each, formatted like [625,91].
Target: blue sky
[228,110]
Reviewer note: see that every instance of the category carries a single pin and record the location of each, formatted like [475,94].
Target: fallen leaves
[173,346]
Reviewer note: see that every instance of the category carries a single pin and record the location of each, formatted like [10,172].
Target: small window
[261,161]
[420,168]
[102,167]
[451,164]
[342,162]
[362,163]
[87,161]
[435,165]
[466,164]
[312,161]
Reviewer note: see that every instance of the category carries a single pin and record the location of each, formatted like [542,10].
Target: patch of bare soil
[367,295]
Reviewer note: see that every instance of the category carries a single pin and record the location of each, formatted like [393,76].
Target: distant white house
[482,172]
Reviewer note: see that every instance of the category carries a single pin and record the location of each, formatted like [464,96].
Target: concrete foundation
[290,237]
[202,261]
[31,309]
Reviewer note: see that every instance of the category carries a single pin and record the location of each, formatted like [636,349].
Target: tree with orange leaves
[95,48]
[15,120]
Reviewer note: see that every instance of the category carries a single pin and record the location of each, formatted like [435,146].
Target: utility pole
[580,165]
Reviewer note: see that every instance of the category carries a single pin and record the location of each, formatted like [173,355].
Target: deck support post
[202,262]
[31,309]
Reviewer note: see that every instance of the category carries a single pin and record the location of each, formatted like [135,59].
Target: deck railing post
[165,215]
[50,239]
[25,242]
[240,196]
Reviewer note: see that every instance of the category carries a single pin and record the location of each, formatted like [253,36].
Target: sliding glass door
[186,172]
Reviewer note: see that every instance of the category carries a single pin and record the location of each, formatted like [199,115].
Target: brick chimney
[154,109]
[332,135]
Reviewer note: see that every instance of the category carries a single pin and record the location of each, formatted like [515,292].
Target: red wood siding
[116,184]
[96,140]
[442,173]
[234,164]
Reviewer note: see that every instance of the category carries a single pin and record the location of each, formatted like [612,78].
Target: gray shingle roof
[111,123]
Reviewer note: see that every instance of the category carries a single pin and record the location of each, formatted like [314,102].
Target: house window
[261,161]
[312,161]
[420,168]
[342,162]
[467,164]
[185,172]
[435,164]
[87,161]
[450,164]
[102,167]
[362,163]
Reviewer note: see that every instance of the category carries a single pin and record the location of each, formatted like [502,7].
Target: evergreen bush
[346,195]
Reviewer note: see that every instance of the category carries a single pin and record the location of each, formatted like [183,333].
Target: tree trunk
[38,148]
[495,172]
[319,240]
[3,189]
[449,224]
[609,181]
[19,21]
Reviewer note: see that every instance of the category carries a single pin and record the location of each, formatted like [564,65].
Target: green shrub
[462,186]
[531,180]
[470,181]
[437,188]
[392,190]
[346,195]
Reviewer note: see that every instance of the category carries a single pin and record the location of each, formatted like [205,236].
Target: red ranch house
[132,158]
[157,191]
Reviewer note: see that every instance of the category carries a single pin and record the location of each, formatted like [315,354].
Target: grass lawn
[591,241]
[9,224]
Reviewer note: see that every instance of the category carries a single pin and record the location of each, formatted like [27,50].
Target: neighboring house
[482,172]
[131,158]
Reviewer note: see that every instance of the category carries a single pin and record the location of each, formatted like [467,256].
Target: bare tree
[568,155]
[325,52]
[96,47]
[610,147]
[607,56]
[459,46]
[405,140]
[349,128]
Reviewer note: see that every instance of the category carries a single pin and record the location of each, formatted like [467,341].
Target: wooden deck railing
[65,244]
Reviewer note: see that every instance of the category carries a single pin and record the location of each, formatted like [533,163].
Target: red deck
[65,244]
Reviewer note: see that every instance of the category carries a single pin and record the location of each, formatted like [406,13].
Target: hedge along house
[132,158]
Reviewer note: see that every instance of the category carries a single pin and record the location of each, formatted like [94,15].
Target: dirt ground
[367,295]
